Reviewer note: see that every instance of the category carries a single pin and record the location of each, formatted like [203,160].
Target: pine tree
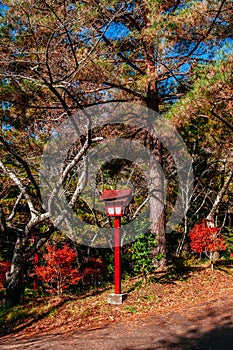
[60,57]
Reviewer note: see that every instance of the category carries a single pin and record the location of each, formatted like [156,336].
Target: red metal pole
[117,255]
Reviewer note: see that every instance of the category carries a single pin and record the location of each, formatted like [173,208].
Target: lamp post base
[116,299]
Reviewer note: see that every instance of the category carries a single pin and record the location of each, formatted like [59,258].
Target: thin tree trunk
[211,216]
[181,243]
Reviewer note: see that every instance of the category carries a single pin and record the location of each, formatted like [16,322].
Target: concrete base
[116,299]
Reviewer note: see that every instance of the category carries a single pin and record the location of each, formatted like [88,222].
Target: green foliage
[57,57]
[142,254]
[228,235]
[11,315]
[208,84]
[131,309]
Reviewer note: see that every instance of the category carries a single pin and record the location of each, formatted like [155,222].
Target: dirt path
[206,326]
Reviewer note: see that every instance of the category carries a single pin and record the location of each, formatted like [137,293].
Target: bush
[206,240]
[142,254]
[59,270]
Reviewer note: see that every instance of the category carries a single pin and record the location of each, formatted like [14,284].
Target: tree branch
[218,199]
[225,121]
[23,163]
[13,177]
[15,206]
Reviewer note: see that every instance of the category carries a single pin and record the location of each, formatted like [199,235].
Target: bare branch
[15,206]
[23,163]
[140,207]
[218,199]
[70,165]
[22,188]
[224,120]
[81,183]
[205,35]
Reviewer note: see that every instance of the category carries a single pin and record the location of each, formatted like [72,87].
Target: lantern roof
[116,195]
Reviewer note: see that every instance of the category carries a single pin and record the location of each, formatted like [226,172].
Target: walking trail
[207,326]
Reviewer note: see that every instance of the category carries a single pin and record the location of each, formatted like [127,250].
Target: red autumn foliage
[206,239]
[4,268]
[59,270]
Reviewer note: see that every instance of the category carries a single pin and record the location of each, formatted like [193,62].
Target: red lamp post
[116,203]
[117,255]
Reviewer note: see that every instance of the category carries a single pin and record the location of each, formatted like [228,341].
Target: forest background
[61,57]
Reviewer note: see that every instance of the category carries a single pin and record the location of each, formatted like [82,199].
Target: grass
[171,289]
[131,309]
[12,315]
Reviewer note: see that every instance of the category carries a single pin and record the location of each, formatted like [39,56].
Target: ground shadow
[224,265]
[209,329]
[220,338]
[207,326]
[170,275]
[11,329]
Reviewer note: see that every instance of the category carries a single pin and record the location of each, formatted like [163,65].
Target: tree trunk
[211,216]
[15,279]
[157,214]
[15,286]
[182,241]
[156,185]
